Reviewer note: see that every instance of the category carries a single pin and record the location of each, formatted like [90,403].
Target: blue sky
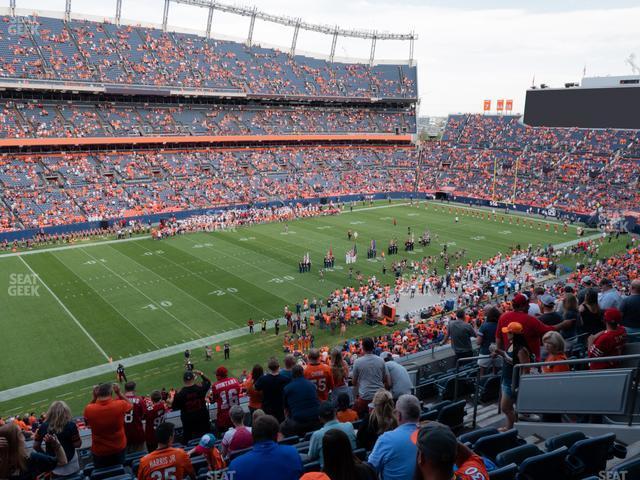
[468,50]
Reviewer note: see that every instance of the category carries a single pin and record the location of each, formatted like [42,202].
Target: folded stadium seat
[357,424]
[592,453]
[88,468]
[453,415]
[312,467]
[198,463]
[129,459]
[508,472]
[489,388]
[107,472]
[307,436]
[429,416]
[124,476]
[548,466]
[134,467]
[631,466]
[289,440]
[237,453]
[446,386]
[437,406]
[471,437]
[517,455]
[302,447]
[491,445]
[361,453]
[563,440]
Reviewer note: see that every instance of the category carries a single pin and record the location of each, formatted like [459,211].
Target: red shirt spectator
[225,392]
[608,343]
[534,329]
[153,417]
[133,427]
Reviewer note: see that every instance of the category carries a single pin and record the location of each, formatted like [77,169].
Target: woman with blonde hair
[58,422]
[554,344]
[17,464]
[381,419]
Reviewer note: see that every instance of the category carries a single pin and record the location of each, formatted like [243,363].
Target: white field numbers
[286,278]
[154,252]
[219,293]
[93,262]
[161,304]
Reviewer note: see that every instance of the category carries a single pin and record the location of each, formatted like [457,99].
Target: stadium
[227,260]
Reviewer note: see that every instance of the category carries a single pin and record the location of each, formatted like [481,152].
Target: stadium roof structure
[254,13]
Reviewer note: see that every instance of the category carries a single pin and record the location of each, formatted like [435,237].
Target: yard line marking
[213,284]
[116,309]
[64,307]
[145,295]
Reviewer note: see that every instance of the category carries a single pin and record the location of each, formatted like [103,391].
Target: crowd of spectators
[37,119]
[576,170]
[325,391]
[93,52]
[44,190]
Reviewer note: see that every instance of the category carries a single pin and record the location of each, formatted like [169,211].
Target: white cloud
[464,55]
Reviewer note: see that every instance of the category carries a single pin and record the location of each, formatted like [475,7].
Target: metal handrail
[515,380]
[476,388]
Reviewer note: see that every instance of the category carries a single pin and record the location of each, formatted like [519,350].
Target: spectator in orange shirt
[105,417]
[319,374]
[554,344]
[166,462]
[345,413]
[255,396]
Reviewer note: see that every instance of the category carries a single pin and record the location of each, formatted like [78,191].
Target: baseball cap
[436,442]
[207,441]
[513,327]
[587,280]
[612,315]
[548,300]
[188,376]
[386,355]
[222,372]
[519,301]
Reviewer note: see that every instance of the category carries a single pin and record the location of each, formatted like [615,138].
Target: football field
[68,309]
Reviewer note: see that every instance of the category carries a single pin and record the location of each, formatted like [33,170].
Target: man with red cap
[608,343]
[225,392]
[533,329]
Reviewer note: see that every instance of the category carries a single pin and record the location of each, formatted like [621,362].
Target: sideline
[147,237]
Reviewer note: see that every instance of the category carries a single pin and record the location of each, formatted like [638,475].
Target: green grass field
[124,298]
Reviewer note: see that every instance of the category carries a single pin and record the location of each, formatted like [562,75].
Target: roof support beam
[209,21]
[165,15]
[295,38]
[118,11]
